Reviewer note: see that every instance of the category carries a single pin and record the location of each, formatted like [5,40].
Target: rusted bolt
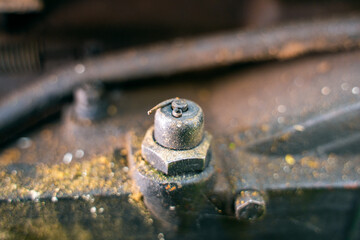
[249,205]
[177,144]
[89,101]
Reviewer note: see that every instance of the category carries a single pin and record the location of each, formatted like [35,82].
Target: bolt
[249,205]
[177,143]
[89,101]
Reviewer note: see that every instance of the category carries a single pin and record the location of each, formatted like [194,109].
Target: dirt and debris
[101,175]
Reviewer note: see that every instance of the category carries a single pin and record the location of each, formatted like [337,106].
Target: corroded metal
[249,205]
[177,143]
[169,197]
[174,162]
[325,184]
[179,106]
[181,132]
[281,42]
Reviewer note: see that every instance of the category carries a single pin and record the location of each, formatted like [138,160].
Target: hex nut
[172,162]
[249,205]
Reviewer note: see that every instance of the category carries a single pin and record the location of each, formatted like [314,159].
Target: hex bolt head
[180,132]
[89,101]
[249,205]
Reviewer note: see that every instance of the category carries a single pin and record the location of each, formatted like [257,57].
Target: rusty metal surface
[128,110]
[174,200]
[282,42]
[181,131]
[89,218]
[172,161]
[281,103]
[256,106]
[240,108]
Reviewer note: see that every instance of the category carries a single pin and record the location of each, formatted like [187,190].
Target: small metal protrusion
[179,103]
[177,112]
[179,106]
[89,101]
[249,205]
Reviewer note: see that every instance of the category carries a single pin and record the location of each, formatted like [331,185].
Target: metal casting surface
[282,157]
[253,45]
[289,180]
